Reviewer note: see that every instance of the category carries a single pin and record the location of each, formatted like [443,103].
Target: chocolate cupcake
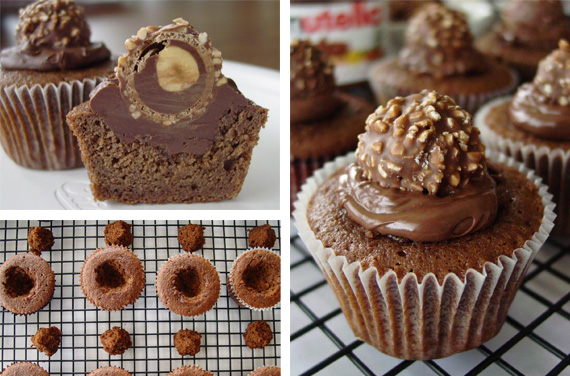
[423,240]
[24,368]
[109,371]
[324,120]
[525,34]
[439,55]
[266,371]
[533,127]
[112,278]
[53,68]
[27,283]
[255,279]
[190,371]
[188,284]
[174,128]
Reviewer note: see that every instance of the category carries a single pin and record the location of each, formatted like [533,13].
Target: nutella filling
[168,91]
[53,35]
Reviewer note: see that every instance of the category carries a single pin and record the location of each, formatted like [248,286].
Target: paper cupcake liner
[412,320]
[552,165]
[301,169]
[230,283]
[33,130]
[469,102]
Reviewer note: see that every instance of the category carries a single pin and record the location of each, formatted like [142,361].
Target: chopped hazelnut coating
[311,70]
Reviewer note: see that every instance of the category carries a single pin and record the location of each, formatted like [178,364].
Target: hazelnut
[176,69]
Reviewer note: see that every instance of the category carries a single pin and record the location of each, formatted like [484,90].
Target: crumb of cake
[191,237]
[116,341]
[262,236]
[187,342]
[258,335]
[40,239]
[47,340]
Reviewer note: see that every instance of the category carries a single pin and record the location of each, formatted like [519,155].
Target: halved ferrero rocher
[175,62]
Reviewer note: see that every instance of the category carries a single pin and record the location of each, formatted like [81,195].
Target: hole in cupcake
[402,254]
[110,275]
[260,276]
[188,282]
[230,164]
[18,282]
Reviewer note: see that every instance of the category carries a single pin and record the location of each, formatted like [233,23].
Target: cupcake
[24,368]
[190,371]
[53,68]
[324,120]
[423,240]
[533,127]
[525,34]
[109,371]
[439,55]
[266,371]
[169,126]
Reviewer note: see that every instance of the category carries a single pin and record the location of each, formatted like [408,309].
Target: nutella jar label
[349,32]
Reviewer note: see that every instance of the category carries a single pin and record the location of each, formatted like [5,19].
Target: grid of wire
[534,340]
[150,324]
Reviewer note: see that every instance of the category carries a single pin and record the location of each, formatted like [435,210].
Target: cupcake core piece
[168,126]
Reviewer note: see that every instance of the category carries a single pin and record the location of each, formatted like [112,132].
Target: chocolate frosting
[415,215]
[53,35]
[168,91]
[312,82]
[419,165]
[533,24]
[438,43]
[542,107]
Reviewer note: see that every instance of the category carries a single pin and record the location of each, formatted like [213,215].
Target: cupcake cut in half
[53,68]
[439,55]
[533,127]
[168,126]
[525,34]
[423,240]
[324,120]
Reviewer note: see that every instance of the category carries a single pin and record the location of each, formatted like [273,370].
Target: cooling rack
[535,339]
[150,324]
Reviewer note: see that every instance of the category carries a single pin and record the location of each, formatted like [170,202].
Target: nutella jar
[349,31]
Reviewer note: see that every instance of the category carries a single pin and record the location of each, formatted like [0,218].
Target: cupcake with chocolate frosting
[53,68]
[533,127]
[439,55]
[421,237]
[324,120]
[525,34]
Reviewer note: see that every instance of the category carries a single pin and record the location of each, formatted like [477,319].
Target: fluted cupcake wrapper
[230,282]
[33,129]
[469,102]
[412,320]
[552,165]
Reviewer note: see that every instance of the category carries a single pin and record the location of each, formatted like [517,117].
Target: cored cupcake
[533,127]
[324,120]
[423,241]
[53,68]
[525,34]
[439,55]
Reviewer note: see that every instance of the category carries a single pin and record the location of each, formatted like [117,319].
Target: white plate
[22,188]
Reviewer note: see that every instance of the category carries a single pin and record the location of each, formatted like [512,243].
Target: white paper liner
[230,283]
[552,165]
[426,320]
[469,102]
[33,129]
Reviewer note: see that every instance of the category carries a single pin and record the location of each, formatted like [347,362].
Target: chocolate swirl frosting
[542,107]
[53,35]
[420,172]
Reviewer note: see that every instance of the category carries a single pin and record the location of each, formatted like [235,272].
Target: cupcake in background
[423,240]
[53,68]
[533,127]
[324,120]
[525,34]
[439,55]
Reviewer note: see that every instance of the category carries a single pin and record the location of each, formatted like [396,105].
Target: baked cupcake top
[542,107]
[438,43]
[267,371]
[312,82]
[533,24]
[420,154]
[168,90]
[53,35]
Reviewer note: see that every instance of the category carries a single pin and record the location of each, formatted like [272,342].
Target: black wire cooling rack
[150,324]
[535,339]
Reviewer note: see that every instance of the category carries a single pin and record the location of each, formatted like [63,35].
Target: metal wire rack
[150,324]
[535,339]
